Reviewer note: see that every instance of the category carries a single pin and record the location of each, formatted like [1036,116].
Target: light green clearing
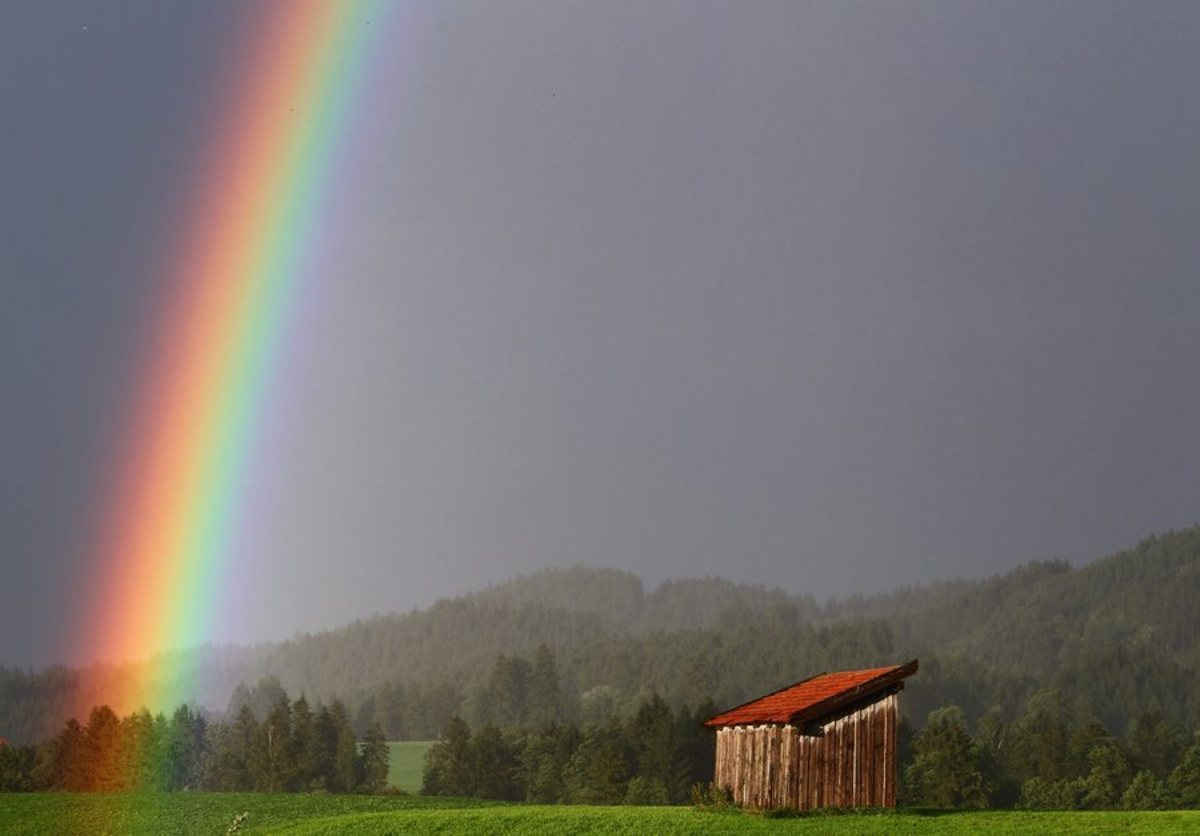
[212,813]
[406,762]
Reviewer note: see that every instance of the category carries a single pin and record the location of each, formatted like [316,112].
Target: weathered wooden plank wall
[847,761]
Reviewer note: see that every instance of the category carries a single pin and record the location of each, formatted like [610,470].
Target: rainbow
[172,507]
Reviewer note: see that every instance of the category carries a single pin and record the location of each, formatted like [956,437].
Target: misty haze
[638,353]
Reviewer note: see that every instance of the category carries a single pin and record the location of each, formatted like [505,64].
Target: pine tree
[275,747]
[598,772]
[658,749]
[70,759]
[301,747]
[247,761]
[374,760]
[233,766]
[451,767]
[185,750]
[495,766]
[538,770]
[104,756]
[323,752]
[346,775]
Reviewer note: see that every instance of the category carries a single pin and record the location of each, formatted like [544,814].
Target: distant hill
[1117,637]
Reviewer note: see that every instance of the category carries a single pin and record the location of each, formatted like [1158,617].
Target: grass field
[212,813]
[406,760]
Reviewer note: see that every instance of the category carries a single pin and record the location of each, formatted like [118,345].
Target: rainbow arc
[163,555]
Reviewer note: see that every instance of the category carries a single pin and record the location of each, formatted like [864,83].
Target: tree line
[292,748]
[1129,621]
[1046,759]
[1049,759]
[654,757]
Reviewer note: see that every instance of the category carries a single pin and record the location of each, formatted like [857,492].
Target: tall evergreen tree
[658,750]
[374,760]
[275,747]
[71,765]
[345,753]
[450,763]
[103,744]
[323,753]
[185,750]
[302,747]
[494,767]
[598,772]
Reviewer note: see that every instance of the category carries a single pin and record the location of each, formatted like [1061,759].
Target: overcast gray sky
[831,296]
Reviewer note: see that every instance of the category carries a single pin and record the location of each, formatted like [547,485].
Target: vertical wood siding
[848,760]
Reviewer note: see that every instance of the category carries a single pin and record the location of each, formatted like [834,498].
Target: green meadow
[215,813]
[406,762]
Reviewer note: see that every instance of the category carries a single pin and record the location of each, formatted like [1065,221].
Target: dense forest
[1114,642]
[287,746]
[1117,638]
[1047,758]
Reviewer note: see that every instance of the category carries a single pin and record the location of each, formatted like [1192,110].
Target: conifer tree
[346,764]
[104,758]
[275,747]
[302,747]
[374,760]
[324,749]
[494,767]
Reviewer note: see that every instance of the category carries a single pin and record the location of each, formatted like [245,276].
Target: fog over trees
[1048,686]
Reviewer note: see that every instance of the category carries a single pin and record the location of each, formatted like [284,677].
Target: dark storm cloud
[831,296]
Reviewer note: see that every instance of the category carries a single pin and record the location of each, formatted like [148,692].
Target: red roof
[813,697]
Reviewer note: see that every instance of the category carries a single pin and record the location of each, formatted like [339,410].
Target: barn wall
[848,760]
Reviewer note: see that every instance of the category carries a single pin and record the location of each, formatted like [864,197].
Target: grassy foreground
[212,813]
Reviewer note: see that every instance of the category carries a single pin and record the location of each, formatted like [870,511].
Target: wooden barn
[826,741]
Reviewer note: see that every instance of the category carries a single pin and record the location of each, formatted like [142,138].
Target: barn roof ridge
[806,703]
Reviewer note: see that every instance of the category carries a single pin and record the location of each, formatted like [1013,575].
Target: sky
[831,296]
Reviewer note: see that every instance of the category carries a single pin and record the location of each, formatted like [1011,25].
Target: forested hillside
[1117,637]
